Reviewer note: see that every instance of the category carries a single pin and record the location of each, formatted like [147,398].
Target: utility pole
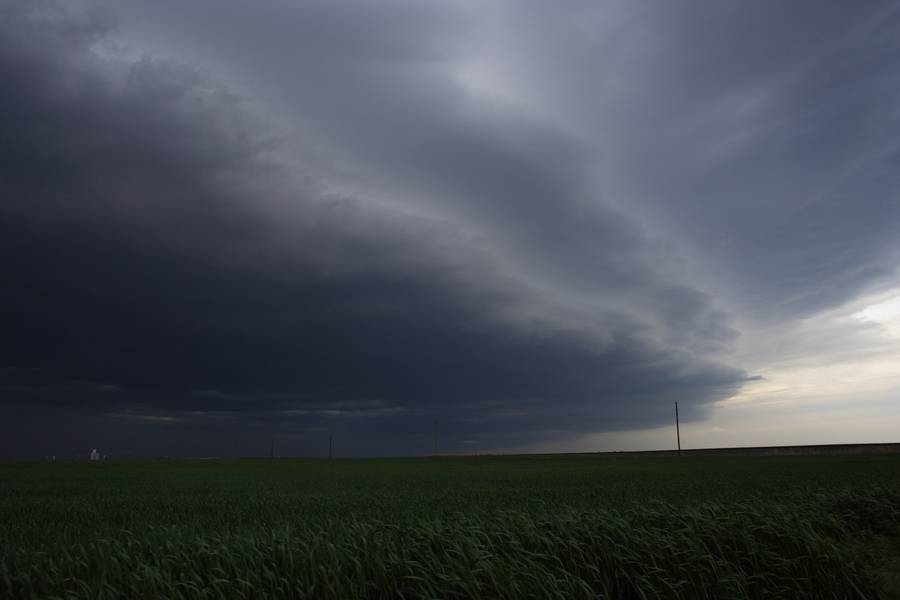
[677,429]
[330,445]
[273,448]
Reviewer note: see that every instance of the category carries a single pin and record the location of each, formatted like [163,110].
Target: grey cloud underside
[774,152]
[760,137]
[400,126]
[162,268]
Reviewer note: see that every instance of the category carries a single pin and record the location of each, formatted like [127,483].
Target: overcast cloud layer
[228,223]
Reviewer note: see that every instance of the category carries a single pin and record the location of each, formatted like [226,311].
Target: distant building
[95,455]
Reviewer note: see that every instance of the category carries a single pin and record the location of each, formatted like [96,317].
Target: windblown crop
[516,527]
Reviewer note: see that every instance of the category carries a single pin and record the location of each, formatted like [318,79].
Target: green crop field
[482,527]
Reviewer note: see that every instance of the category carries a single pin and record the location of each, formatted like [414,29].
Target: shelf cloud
[224,222]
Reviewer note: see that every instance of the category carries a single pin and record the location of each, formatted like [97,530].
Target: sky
[510,226]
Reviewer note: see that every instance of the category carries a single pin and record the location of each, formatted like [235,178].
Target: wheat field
[567,526]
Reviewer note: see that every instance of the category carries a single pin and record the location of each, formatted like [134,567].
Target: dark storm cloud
[164,268]
[400,123]
[524,221]
[756,139]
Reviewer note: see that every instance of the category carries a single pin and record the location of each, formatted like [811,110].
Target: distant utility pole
[273,448]
[330,445]
[677,429]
